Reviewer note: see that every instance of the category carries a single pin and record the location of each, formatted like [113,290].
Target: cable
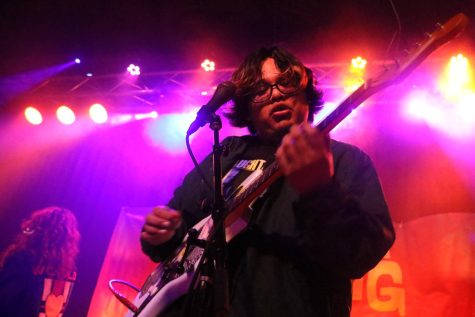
[397,34]
[197,166]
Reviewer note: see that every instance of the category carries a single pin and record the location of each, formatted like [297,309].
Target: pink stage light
[33,115]
[455,119]
[457,79]
[98,113]
[65,115]
[208,65]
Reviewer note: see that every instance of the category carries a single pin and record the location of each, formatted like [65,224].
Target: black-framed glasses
[286,85]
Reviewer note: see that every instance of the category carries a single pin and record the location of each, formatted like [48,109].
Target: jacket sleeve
[346,228]
[191,198]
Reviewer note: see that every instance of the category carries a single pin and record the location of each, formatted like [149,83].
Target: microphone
[224,92]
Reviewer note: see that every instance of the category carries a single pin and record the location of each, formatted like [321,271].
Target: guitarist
[314,230]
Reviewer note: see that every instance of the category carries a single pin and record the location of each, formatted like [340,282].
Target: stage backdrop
[429,271]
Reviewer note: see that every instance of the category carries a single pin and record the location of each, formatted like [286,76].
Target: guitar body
[163,286]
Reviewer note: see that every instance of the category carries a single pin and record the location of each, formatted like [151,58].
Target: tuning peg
[428,35]
[440,26]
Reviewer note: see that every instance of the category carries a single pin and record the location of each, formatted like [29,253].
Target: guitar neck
[272,172]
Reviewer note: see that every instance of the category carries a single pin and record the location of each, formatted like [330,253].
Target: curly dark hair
[51,238]
[248,74]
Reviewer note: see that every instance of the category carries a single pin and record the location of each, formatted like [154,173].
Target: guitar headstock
[405,65]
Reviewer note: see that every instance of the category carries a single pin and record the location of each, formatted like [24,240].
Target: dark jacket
[299,253]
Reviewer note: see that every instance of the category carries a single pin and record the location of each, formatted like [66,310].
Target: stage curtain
[429,271]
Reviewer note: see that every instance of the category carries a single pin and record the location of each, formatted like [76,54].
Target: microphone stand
[213,280]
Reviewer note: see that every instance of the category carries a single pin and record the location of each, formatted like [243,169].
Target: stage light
[133,70]
[88,74]
[457,80]
[355,76]
[358,64]
[98,113]
[77,61]
[33,116]
[65,115]
[208,65]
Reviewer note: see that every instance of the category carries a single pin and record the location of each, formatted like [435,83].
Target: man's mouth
[281,112]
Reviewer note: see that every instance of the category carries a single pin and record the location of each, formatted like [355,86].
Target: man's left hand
[305,158]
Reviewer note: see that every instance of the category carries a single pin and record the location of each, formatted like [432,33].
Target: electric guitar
[173,277]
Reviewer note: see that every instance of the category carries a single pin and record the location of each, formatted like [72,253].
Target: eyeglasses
[286,85]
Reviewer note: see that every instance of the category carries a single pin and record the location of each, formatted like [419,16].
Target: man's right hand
[160,225]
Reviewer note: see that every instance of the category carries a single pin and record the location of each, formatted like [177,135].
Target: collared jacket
[299,253]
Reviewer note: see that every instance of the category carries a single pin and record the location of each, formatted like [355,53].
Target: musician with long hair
[38,269]
[312,231]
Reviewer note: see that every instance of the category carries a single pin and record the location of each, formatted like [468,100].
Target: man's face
[273,119]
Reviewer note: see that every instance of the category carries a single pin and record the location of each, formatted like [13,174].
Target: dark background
[97,174]
[180,34]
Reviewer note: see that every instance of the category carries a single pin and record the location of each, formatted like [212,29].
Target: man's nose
[275,93]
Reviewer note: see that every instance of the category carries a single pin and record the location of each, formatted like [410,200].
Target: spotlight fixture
[358,63]
[33,115]
[133,70]
[208,65]
[65,115]
[98,113]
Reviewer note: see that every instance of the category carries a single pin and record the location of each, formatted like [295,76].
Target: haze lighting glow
[65,115]
[77,61]
[208,65]
[169,130]
[456,119]
[98,113]
[33,116]
[148,115]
